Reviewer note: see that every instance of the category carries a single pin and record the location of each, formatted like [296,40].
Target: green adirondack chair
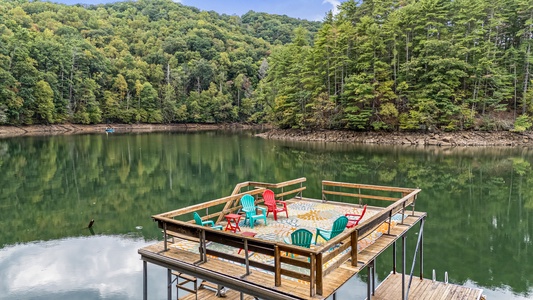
[338,227]
[199,221]
[249,207]
[300,237]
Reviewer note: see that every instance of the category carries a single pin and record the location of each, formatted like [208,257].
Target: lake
[479,203]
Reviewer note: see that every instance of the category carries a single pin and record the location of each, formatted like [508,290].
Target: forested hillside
[377,65]
[152,61]
[425,64]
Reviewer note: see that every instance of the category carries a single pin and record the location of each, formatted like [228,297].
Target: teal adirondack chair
[249,207]
[300,237]
[199,221]
[338,227]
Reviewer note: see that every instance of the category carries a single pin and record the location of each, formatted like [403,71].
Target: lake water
[479,203]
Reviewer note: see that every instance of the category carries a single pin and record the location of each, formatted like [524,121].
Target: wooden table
[247,233]
[233,222]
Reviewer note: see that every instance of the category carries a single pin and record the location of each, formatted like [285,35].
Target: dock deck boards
[205,294]
[425,289]
[331,283]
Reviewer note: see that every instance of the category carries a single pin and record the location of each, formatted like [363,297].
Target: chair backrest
[269,198]
[338,226]
[247,202]
[362,214]
[302,237]
[197,219]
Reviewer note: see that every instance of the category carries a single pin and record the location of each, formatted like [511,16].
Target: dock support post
[368,283]
[422,249]
[374,277]
[169,284]
[394,257]
[145,280]
[403,267]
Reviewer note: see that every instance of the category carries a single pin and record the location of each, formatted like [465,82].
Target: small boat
[109,130]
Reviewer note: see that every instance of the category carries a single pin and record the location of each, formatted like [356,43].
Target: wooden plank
[391,289]
[367,186]
[364,196]
[182,236]
[295,191]
[279,185]
[206,294]
[204,205]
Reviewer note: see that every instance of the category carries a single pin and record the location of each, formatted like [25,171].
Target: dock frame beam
[211,276]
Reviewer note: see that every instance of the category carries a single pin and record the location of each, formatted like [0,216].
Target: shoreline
[68,129]
[461,138]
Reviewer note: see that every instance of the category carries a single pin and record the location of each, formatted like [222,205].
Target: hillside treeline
[152,61]
[376,65]
[408,65]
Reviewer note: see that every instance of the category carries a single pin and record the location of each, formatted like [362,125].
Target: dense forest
[152,61]
[408,65]
[376,65]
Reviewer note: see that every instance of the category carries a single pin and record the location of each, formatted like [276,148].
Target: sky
[313,10]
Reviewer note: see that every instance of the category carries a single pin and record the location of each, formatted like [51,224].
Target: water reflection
[96,267]
[479,202]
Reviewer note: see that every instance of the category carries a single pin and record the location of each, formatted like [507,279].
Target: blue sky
[313,10]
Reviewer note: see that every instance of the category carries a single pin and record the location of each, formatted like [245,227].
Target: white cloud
[335,4]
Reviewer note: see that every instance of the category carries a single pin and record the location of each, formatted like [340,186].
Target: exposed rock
[463,138]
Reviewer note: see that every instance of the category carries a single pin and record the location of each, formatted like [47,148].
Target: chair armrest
[287,240]
[208,222]
[282,203]
[264,210]
[351,215]
[321,229]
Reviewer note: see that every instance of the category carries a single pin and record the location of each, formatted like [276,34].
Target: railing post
[277,266]
[165,235]
[319,274]
[312,275]
[246,257]
[354,237]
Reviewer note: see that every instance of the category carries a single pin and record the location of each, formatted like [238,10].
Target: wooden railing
[314,259]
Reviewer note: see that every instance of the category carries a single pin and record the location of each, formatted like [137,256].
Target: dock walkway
[425,289]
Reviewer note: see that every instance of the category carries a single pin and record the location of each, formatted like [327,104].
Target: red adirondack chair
[274,205]
[353,219]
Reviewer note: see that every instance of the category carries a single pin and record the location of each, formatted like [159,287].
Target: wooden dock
[268,267]
[391,289]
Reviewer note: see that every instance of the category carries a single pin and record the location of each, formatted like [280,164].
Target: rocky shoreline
[463,138]
[65,129]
